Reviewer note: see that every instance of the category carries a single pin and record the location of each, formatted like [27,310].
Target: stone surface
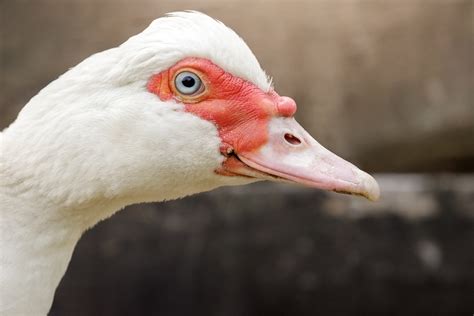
[388,84]
[269,249]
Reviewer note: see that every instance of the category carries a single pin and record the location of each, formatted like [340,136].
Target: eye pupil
[188,81]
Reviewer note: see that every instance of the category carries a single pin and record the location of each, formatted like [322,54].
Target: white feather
[191,34]
[95,140]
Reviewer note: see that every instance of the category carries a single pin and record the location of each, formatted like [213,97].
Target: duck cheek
[248,136]
[240,126]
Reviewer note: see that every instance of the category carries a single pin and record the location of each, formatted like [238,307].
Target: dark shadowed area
[388,85]
[278,250]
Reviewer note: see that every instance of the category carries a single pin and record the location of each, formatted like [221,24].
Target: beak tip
[371,189]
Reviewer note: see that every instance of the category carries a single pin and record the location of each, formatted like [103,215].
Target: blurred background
[388,85]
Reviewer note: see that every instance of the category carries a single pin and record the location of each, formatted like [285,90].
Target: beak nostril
[292,139]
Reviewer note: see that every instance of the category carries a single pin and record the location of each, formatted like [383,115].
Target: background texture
[388,85]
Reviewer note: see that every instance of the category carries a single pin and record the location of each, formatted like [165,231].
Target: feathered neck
[37,241]
[37,244]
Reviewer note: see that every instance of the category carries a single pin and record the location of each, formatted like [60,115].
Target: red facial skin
[239,109]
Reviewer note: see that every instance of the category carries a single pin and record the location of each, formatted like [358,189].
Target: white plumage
[85,146]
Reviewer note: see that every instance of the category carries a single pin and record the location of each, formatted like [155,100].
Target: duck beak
[291,154]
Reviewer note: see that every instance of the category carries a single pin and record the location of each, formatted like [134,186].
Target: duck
[181,108]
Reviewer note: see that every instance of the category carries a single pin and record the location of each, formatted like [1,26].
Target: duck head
[180,108]
[259,137]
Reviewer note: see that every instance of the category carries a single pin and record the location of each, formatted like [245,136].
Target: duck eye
[187,83]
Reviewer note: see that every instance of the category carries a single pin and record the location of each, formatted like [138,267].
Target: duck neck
[36,242]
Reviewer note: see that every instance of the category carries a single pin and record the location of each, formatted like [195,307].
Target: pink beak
[292,154]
